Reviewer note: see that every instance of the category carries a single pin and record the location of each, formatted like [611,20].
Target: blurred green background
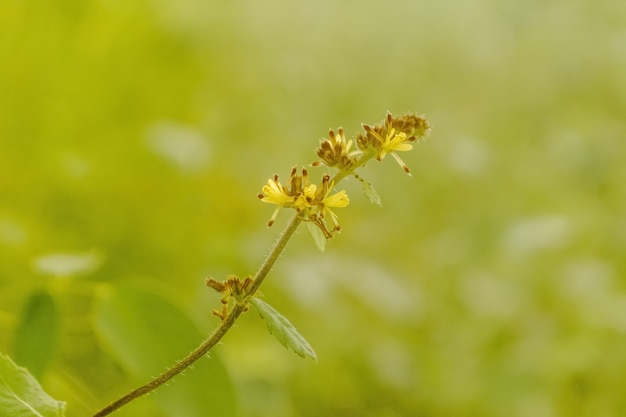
[134,137]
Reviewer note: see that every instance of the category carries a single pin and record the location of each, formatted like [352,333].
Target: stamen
[371,131]
[271,222]
[401,162]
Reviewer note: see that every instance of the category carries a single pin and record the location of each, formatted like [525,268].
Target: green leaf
[22,396]
[146,334]
[283,330]
[36,334]
[318,235]
[370,193]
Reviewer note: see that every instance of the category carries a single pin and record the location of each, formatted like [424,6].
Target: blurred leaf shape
[317,235]
[146,334]
[536,234]
[36,333]
[371,194]
[63,265]
[283,330]
[376,282]
[181,145]
[22,396]
[12,233]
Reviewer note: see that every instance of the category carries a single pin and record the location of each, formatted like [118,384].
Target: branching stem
[217,334]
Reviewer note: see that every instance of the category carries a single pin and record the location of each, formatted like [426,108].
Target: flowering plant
[314,204]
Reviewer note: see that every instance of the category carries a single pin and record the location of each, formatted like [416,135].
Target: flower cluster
[313,202]
[392,135]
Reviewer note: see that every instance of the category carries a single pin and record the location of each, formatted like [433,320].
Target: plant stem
[275,252]
[217,334]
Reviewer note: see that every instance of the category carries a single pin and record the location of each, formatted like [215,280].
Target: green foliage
[146,333]
[36,335]
[283,330]
[22,396]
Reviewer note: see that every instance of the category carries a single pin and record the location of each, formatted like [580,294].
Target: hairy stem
[217,334]
[275,253]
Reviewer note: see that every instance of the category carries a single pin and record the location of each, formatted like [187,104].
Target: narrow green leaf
[283,330]
[22,396]
[146,334]
[36,333]
[370,193]
[317,235]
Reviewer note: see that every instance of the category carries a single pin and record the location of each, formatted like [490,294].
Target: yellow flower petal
[403,147]
[275,194]
[339,199]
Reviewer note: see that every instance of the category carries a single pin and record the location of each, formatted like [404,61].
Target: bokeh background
[134,137]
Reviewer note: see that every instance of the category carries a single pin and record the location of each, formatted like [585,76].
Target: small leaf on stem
[283,330]
[317,235]
[370,193]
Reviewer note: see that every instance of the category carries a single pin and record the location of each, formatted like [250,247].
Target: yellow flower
[394,142]
[391,143]
[275,193]
[395,134]
[338,200]
[309,199]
